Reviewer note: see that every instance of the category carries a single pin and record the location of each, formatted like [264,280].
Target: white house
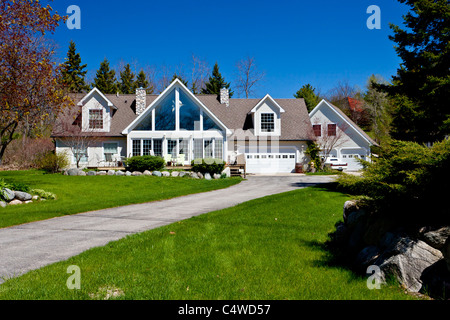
[346,140]
[268,135]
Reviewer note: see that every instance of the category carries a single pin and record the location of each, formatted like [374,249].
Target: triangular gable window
[165,113]
[189,113]
[209,124]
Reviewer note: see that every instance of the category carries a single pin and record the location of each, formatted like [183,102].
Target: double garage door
[351,156]
[271,162]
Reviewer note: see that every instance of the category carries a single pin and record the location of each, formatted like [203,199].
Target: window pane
[145,124]
[198,148]
[157,147]
[208,149]
[189,113]
[184,148]
[218,149]
[95,119]
[172,148]
[331,129]
[136,148]
[317,130]
[146,147]
[267,122]
[165,113]
[208,123]
[110,148]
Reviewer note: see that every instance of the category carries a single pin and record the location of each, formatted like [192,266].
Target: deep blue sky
[295,42]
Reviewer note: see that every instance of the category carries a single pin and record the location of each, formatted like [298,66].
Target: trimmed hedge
[209,165]
[142,163]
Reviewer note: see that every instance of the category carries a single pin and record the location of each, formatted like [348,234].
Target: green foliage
[307,92]
[73,72]
[43,194]
[52,162]
[142,163]
[211,166]
[105,79]
[142,82]
[126,85]
[407,179]
[16,186]
[176,76]
[422,84]
[216,82]
[313,151]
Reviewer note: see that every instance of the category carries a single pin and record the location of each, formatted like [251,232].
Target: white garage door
[271,162]
[351,156]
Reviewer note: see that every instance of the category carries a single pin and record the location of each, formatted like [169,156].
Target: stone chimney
[141,99]
[224,97]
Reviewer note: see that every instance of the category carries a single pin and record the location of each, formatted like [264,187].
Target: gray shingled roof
[295,123]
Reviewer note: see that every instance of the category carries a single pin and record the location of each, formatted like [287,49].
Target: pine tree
[307,92]
[216,82]
[422,84]
[72,71]
[127,83]
[105,79]
[175,76]
[142,82]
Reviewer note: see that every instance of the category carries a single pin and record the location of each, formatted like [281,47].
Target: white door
[351,156]
[282,162]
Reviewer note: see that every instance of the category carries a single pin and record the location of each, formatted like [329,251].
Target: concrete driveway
[34,245]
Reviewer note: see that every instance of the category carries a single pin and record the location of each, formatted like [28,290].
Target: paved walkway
[34,245]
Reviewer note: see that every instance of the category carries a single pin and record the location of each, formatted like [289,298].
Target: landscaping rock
[23,196]
[3,204]
[28,201]
[8,194]
[367,256]
[81,173]
[216,176]
[119,173]
[175,173]
[92,173]
[136,173]
[156,173]
[437,238]
[200,175]
[182,174]
[227,172]
[165,174]
[128,173]
[407,260]
[35,198]
[207,176]
[101,173]
[147,173]
[194,175]
[111,172]
[72,172]
[446,252]
[15,202]
[349,207]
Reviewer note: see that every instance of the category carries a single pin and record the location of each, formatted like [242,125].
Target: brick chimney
[141,99]
[224,97]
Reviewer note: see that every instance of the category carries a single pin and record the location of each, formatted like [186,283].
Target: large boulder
[23,196]
[175,173]
[165,174]
[120,173]
[8,194]
[446,251]
[207,176]
[101,173]
[406,259]
[136,173]
[437,238]
[111,172]
[147,173]
[92,173]
[157,173]
[216,176]
[15,202]
[194,175]
[73,172]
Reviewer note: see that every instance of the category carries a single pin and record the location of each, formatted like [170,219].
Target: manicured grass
[266,249]
[86,193]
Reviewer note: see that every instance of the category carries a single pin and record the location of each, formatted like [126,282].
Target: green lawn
[269,248]
[86,193]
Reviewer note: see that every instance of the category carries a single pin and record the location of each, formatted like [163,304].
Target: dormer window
[95,119]
[267,122]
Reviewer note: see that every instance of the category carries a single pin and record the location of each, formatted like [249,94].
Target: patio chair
[167,158]
[180,159]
